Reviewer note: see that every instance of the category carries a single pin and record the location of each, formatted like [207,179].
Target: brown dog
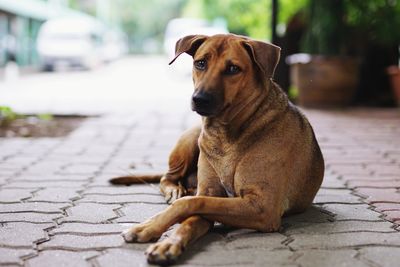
[255,155]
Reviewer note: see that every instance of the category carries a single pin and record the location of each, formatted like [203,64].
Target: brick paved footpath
[57,209]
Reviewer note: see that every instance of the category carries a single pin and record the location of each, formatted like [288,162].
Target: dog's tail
[136,179]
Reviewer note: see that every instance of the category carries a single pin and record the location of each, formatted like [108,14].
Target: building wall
[20,21]
[18,39]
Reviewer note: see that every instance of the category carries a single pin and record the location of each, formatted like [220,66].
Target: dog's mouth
[205,112]
[209,112]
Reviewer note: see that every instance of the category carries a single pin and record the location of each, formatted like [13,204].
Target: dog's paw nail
[168,198]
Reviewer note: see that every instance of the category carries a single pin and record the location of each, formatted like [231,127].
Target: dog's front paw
[164,252]
[141,233]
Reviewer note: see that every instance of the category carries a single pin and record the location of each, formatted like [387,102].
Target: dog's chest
[223,159]
[225,169]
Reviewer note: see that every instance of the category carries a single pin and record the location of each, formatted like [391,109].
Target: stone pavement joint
[57,191]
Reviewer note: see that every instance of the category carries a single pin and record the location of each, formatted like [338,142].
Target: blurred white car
[72,41]
[180,27]
[115,45]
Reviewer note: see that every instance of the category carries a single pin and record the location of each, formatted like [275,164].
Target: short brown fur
[255,155]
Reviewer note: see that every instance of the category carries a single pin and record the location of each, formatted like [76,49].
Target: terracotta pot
[324,81]
[394,75]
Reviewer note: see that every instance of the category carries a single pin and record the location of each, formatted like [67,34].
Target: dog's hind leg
[182,166]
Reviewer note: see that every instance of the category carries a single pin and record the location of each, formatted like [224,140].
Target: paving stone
[43,143]
[86,169]
[337,227]
[45,167]
[61,258]
[89,229]
[15,144]
[382,183]
[335,196]
[98,160]
[381,256]
[22,234]
[120,199]
[347,178]
[100,148]
[60,195]
[102,180]
[344,158]
[124,258]
[69,149]
[341,258]
[350,169]
[332,182]
[359,149]
[9,256]
[253,239]
[385,169]
[352,212]
[22,160]
[386,206]
[393,215]
[14,195]
[80,243]
[32,217]
[343,240]
[41,207]
[377,195]
[91,213]
[50,177]
[132,189]
[43,184]
[314,214]
[139,212]
[246,257]
[9,172]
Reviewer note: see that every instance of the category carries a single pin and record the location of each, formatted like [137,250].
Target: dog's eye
[232,69]
[200,64]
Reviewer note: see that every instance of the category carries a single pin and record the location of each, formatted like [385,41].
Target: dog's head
[226,68]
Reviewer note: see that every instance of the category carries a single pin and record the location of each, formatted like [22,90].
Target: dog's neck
[266,103]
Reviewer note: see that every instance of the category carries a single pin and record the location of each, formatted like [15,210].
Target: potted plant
[376,22]
[350,44]
[394,76]
[324,75]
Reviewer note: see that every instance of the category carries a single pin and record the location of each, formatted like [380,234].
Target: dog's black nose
[203,103]
[202,99]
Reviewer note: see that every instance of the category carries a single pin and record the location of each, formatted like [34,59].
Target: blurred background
[99,56]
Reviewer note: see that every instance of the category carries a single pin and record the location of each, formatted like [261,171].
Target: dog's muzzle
[204,103]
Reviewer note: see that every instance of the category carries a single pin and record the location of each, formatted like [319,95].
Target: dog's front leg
[254,211]
[168,250]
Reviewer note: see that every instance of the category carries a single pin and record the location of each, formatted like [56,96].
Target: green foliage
[287,8]
[378,20]
[334,25]
[7,115]
[145,21]
[325,27]
[45,117]
[293,92]
[246,17]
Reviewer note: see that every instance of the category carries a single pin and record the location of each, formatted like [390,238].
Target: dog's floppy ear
[265,55]
[188,44]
